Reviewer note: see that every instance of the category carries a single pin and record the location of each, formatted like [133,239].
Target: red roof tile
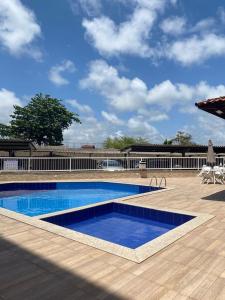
[209,101]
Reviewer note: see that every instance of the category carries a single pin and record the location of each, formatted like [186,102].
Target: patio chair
[219,174]
[206,174]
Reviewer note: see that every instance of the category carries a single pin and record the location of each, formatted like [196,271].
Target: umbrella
[211,158]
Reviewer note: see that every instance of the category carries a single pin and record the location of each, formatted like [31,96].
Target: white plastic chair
[206,174]
[219,173]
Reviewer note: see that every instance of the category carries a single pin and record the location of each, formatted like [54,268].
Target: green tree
[5,131]
[167,142]
[42,121]
[122,142]
[181,138]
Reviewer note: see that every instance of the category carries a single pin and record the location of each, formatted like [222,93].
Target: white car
[110,165]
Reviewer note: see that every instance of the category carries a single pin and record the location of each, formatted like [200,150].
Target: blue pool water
[35,199]
[122,224]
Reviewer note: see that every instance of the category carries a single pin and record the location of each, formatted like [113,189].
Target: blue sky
[127,67]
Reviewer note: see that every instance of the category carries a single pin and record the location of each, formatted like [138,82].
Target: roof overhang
[172,148]
[215,106]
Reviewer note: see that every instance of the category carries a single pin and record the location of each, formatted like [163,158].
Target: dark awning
[215,106]
[15,145]
[172,148]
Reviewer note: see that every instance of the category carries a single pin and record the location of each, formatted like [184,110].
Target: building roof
[172,148]
[64,149]
[215,106]
[15,144]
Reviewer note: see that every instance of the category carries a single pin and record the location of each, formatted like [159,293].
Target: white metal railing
[69,164]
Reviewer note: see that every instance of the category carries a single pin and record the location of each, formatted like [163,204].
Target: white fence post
[171,164]
[28,167]
[127,163]
[70,164]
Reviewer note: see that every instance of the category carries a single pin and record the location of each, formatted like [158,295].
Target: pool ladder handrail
[165,183]
[156,181]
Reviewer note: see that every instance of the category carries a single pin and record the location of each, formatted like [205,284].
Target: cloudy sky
[127,67]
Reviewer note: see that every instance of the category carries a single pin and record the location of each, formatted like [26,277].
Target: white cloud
[18,28]
[91,131]
[158,117]
[130,36]
[198,43]
[166,94]
[209,127]
[197,49]
[189,109]
[173,25]
[55,73]
[205,25]
[7,100]
[89,7]
[122,93]
[112,118]
[82,108]
[133,35]
[126,94]
[204,90]
[221,13]
[153,115]
[176,25]
[138,126]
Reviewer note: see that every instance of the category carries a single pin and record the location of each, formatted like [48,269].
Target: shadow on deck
[219,196]
[25,275]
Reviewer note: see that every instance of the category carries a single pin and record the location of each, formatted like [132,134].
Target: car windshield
[111,163]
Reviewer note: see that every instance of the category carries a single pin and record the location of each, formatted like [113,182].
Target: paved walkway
[35,264]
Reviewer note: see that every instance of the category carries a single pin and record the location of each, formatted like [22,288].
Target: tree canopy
[42,120]
[123,141]
[181,138]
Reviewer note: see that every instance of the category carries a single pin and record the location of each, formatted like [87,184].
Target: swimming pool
[95,214]
[123,224]
[38,198]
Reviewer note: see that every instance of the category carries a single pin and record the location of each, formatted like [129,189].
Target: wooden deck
[36,264]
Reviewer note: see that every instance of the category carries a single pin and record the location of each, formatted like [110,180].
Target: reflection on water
[33,203]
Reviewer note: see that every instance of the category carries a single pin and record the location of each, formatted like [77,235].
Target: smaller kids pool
[122,224]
